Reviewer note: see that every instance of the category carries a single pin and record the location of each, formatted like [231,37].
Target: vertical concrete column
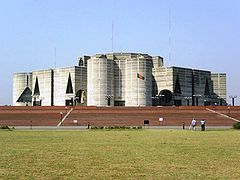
[138,81]
[100,83]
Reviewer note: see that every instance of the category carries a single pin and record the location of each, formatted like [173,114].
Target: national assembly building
[119,79]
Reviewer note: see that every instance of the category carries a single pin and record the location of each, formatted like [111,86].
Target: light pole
[197,96]
[76,101]
[205,102]
[233,97]
[108,98]
[220,100]
[154,101]
[187,98]
[160,97]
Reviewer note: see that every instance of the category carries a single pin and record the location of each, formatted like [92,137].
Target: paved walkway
[85,127]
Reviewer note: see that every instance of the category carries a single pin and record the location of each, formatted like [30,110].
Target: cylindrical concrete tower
[100,82]
[139,80]
[22,89]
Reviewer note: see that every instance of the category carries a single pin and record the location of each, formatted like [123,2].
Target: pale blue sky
[205,34]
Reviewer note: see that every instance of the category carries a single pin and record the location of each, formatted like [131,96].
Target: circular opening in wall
[166,96]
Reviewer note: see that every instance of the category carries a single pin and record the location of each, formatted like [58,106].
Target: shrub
[236,125]
[116,127]
[6,127]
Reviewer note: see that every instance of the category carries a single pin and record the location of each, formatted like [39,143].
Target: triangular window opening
[207,89]
[36,88]
[69,89]
[177,89]
[27,80]
[26,96]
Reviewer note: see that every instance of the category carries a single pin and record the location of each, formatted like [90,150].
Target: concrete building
[22,89]
[219,87]
[181,86]
[100,81]
[42,88]
[119,79]
[52,87]
[70,86]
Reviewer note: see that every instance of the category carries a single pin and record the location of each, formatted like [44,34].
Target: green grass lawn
[130,154]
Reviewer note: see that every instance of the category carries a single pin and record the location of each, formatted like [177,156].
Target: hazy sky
[205,34]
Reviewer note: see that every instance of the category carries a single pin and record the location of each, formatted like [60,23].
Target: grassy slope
[144,154]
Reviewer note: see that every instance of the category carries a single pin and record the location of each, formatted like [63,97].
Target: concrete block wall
[81,83]
[163,79]
[200,77]
[61,76]
[20,82]
[139,91]
[100,83]
[219,86]
[157,61]
[119,77]
[185,80]
[44,82]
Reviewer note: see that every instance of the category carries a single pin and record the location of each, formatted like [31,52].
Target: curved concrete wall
[138,91]
[119,79]
[100,81]
[20,82]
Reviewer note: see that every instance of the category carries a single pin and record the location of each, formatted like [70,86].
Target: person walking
[202,123]
[193,124]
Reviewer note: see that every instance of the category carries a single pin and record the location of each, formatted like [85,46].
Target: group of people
[194,124]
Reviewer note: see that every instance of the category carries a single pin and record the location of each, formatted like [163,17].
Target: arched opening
[165,97]
[80,97]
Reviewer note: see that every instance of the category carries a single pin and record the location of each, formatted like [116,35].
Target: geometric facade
[184,86]
[51,87]
[22,82]
[119,79]
[219,88]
